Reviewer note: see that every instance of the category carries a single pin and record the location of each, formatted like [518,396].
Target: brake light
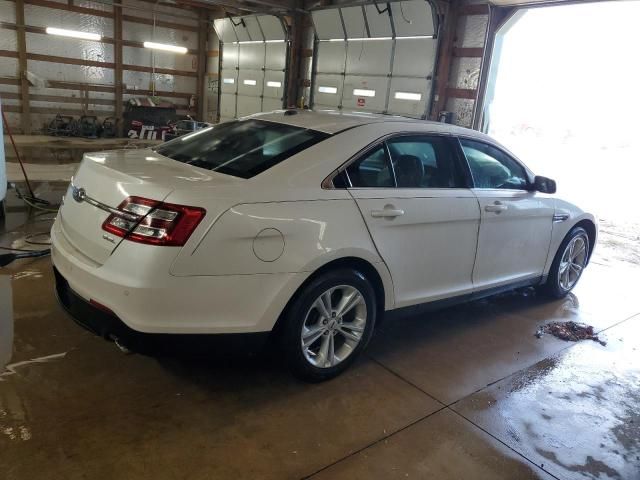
[152,222]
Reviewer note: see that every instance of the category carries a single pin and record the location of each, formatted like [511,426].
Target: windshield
[242,148]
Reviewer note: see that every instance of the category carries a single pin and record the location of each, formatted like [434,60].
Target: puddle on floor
[6,321]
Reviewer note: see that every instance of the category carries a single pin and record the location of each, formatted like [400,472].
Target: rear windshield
[242,148]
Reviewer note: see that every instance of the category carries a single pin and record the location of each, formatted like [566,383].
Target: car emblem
[78,194]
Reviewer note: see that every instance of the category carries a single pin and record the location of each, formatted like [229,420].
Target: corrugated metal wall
[79,75]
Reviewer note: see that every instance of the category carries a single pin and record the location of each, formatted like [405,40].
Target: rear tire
[328,325]
[569,263]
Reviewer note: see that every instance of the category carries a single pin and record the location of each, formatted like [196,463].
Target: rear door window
[242,148]
[373,170]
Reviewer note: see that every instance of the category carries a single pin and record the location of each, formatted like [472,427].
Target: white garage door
[375,58]
[253,66]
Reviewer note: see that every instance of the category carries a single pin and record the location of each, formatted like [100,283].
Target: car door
[413,194]
[516,222]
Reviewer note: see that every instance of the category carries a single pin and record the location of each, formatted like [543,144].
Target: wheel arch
[383,294]
[592,233]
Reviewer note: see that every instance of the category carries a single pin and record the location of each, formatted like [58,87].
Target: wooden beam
[25,118]
[118,78]
[64,111]
[468,52]
[57,98]
[202,63]
[462,93]
[474,9]
[443,67]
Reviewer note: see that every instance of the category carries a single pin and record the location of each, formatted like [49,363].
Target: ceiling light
[73,33]
[165,47]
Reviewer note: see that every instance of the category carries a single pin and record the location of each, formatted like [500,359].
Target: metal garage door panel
[413,17]
[379,23]
[403,96]
[248,105]
[253,28]
[225,30]
[276,56]
[328,23]
[229,56]
[228,105]
[354,22]
[369,57]
[241,31]
[414,57]
[328,90]
[274,85]
[331,57]
[269,104]
[250,82]
[353,100]
[229,81]
[251,56]
[271,27]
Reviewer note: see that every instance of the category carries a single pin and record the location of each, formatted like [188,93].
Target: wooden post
[444,59]
[203,31]
[117,49]
[295,47]
[22,67]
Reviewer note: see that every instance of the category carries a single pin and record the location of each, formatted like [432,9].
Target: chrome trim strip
[560,217]
[113,211]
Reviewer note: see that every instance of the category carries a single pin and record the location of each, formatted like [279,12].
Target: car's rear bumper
[107,325]
[136,285]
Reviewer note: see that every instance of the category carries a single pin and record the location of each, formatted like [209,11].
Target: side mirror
[544,184]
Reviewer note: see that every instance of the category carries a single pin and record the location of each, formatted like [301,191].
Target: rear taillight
[153,222]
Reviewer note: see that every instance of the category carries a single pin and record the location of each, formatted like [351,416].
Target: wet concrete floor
[466,392]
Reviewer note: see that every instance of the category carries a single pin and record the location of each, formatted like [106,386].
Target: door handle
[387,213]
[497,207]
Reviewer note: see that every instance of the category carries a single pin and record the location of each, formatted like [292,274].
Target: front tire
[568,264]
[329,323]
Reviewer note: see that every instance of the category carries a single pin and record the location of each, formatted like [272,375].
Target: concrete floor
[466,392]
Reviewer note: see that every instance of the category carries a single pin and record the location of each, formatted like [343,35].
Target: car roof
[336,121]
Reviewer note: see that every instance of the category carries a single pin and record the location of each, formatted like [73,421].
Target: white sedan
[308,225]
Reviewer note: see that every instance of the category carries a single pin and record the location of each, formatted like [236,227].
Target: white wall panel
[8,41]
[9,67]
[271,79]
[330,81]
[271,27]
[269,104]
[245,82]
[412,17]
[328,23]
[47,17]
[471,30]
[379,23]
[70,73]
[225,30]
[369,57]
[252,56]
[415,57]
[227,86]
[253,28]
[241,32]
[228,105]
[331,57]
[69,47]
[248,105]
[412,108]
[354,22]
[276,56]
[230,56]
[359,102]
[8,11]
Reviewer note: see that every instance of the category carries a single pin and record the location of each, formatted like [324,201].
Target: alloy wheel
[333,326]
[573,261]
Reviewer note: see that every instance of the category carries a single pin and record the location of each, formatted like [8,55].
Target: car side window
[492,168]
[424,162]
[372,170]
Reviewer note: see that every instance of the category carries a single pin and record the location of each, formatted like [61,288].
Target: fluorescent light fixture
[274,84]
[274,41]
[245,42]
[363,39]
[363,92]
[414,36]
[249,82]
[165,47]
[408,96]
[229,81]
[73,34]
[332,90]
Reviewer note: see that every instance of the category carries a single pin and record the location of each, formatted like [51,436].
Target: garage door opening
[560,95]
